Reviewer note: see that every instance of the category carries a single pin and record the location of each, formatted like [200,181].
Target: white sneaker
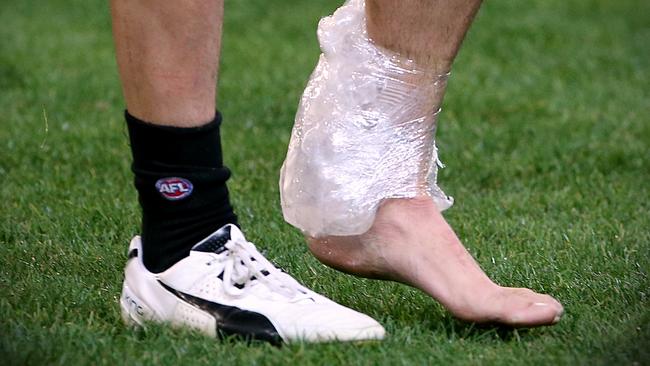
[226,287]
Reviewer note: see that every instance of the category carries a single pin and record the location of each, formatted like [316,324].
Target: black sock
[181,183]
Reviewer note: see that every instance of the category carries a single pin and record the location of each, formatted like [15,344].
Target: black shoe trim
[133,253]
[232,320]
[238,285]
[215,243]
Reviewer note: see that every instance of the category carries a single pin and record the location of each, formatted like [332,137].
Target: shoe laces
[245,266]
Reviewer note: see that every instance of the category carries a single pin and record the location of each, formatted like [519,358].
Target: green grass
[545,132]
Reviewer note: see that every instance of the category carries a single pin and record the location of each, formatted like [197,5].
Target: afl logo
[174,188]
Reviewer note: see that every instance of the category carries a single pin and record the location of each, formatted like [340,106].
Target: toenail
[557,318]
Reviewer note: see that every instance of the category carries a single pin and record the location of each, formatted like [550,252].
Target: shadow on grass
[438,320]
[454,327]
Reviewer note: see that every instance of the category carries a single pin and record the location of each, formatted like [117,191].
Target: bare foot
[410,242]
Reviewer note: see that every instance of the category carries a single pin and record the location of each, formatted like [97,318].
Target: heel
[134,311]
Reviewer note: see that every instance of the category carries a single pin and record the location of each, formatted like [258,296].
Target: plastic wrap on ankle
[364,132]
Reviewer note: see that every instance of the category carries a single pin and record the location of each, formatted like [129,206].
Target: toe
[536,314]
[551,301]
[526,308]
[530,309]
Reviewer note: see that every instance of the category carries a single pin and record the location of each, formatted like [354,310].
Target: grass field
[545,133]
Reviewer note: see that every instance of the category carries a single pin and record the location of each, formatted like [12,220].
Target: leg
[427,31]
[204,267]
[168,57]
[410,241]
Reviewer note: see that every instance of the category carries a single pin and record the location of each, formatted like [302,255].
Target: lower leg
[168,54]
[429,32]
[410,241]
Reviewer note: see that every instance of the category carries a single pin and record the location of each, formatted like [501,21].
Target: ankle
[417,204]
[404,212]
[182,190]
